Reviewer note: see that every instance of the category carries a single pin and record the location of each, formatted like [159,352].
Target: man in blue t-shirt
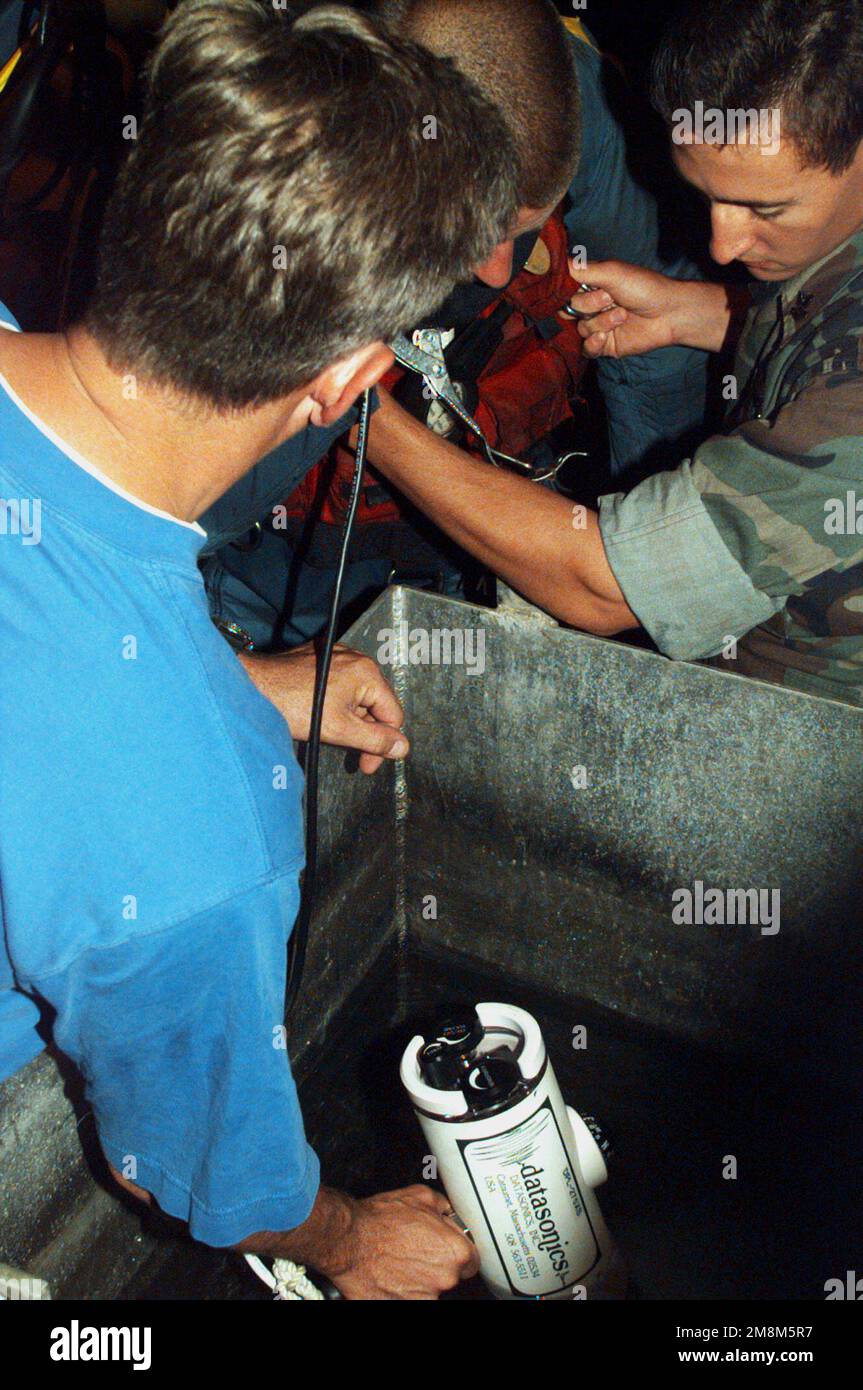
[150,820]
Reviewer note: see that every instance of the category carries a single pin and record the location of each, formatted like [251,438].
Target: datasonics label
[531,1201]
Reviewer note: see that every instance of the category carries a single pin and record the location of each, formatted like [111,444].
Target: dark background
[47,242]
[627,28]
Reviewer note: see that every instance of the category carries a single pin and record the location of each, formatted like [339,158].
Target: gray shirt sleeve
[677,575]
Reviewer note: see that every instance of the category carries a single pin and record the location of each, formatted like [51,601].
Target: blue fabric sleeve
[178,1036]
[19,1041]
[661,397]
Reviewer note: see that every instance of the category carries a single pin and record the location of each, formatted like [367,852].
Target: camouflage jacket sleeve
[707,552]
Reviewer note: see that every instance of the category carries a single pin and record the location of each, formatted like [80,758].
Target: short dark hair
[303,184]
[804,57]
[519,54]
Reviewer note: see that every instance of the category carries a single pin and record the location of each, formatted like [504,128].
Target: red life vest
[526,388]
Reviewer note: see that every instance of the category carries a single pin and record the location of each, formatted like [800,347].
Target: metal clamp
[425,356]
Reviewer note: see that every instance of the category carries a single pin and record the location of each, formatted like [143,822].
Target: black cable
[299,940]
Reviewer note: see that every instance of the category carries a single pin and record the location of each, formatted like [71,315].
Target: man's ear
[335,389]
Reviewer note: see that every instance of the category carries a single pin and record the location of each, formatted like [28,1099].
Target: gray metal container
[555,802]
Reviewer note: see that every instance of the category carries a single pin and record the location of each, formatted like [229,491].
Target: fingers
[470,1268]
[589,303]
[600,275]
[376,742]
[440,1205]
[369,764]
[420,1251]
[602,323]
[380,700]
[464,1250]
[599,294]
[422,1195]
[598,333]
[362,711]
[595,345]
[595,307]
[372,691]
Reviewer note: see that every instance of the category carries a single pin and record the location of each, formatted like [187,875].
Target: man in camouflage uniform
[803,444]
[749,554]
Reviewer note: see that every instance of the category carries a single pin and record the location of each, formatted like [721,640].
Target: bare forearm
[531,537]
[394,1245]
[270,673]
[324,1241]
[709,316]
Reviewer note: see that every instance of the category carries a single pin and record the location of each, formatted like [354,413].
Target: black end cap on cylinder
[491,1081]
[440,1067]
[462,1032]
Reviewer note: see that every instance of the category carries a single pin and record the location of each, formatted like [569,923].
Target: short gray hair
[304,183]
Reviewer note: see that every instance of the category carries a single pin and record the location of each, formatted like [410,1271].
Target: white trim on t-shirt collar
[85,463]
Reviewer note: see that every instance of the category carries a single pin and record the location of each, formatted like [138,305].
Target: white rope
[289,1282]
